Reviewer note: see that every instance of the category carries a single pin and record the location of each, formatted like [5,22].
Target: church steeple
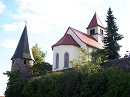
[22,50]
[22,59]
[95,22]
[96,29]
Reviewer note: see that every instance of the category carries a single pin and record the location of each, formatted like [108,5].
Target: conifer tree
[112,37]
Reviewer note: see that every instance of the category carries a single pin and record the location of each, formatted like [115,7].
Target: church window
[57,61]
[101,32]
[66,60]
[24,61]
[92,31]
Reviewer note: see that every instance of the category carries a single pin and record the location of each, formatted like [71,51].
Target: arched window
[57,61]
[66,60]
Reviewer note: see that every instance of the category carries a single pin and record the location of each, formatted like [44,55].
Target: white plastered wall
[73,52]
[98,37]
[82,45]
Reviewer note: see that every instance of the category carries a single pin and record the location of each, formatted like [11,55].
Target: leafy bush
[99,56]
[84,80]
[41,68]
[109,82]
[84,63]
[118,83]
[15,84]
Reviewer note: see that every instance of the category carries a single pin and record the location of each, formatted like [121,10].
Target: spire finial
[25,22]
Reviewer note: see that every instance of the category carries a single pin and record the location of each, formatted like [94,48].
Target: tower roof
[22,50]
[95,22]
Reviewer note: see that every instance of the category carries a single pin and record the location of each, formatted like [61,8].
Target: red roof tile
[87,39]
[95,22]
[67,39]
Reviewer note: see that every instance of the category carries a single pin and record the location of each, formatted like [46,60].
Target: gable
[67,39]
[78,38]
[87,39]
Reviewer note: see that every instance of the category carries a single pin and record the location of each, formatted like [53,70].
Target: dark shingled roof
[22,50]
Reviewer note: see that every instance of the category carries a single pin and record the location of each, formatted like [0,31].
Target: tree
[38,55]
[84,63]
[40,66]
[15,84]
[98,56]
[112,37]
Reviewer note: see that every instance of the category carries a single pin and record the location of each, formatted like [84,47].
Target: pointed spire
[95,22]
[22,50]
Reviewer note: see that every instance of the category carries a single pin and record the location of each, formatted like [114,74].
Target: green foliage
[109,82]
[99,56]
[15,84]
[85,80]
[41,68]
[112,37]
[57,84]
[32,88]
[118,83]
[38,54]
[84,63]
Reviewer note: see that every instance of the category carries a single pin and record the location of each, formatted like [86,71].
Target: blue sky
[48,20]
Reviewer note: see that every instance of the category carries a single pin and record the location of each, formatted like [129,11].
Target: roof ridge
[84,33]
[23,50]
[100,20]
[91,41]
[95,21]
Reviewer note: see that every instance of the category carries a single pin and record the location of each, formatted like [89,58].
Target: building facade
[67,48]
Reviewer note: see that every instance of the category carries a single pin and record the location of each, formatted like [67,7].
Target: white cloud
[8,43]
[53,12]
[2,7]
[93,2]
[128,3]
[13,26]
[44,15]
[38,26]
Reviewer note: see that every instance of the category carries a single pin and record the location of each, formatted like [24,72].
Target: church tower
[22,59]
[96,29]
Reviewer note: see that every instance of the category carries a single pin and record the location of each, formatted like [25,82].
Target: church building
[22,59]
[67,48]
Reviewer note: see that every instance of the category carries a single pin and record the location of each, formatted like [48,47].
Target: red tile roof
[95,22]
[87,39]
[67,39]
